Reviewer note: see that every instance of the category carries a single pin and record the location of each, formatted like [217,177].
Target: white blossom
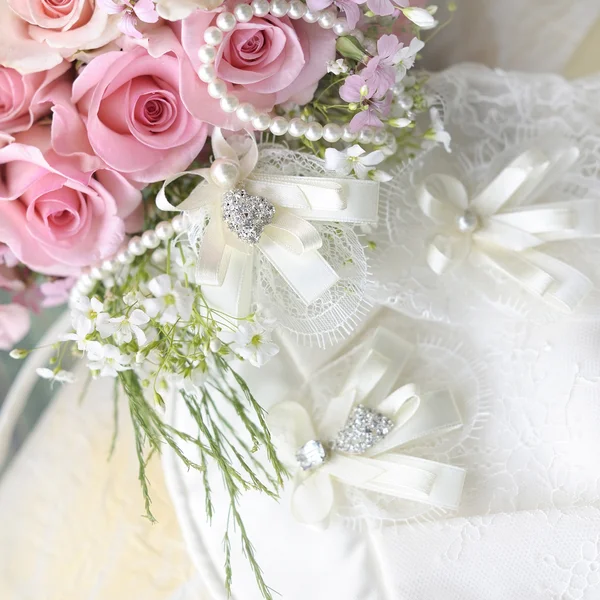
[355,159]
[172,301]
[405,58]
[86,314]
[107,359]
[123,329]
[252,342]
[438,133]
[337,67]
[59,376]
[419,16]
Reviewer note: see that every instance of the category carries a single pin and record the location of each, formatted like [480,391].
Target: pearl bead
[260,7]
[380,137]
[225,173]
[150,239]
[261,122]
[164,230]
[207,54]
[297,127]
[108,266]
[245,112]
[213,36]
[125,257]
[327,19]
[159,256]
[179,223]
[297,9]
[279,8]
[279,126]
[226,21]
[243,12]
[207,73]
[348,135]
[341,27]
[314,132]
[365,136]
[467,222]
[217,88]
[96,273]
[229,103]
[311,17]
[405,101]
[332,133]
[136,247]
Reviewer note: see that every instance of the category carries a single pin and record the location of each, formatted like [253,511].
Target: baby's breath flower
[353,159]
[252,342]
[107,359]
[59,376]
[172,301]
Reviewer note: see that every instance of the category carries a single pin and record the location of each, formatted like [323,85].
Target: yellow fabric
[586,60]
[71,524]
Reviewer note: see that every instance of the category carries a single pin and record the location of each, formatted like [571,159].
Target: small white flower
[172,302]
[438,133]
[191,383]
[419,16]
[352,159]
[59,376]
[107,359]
[252,342]
[86,314]
[337,67]
[124,328]
[405,58]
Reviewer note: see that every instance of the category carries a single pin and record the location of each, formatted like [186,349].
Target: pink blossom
[54,218]
[144,10]
[385,8]
[24,98]
[355,90]
[14,325]
[127,112]
[56,292]
[266,61]
[9,275]
[380,74]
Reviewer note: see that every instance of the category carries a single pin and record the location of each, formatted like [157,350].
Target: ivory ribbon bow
[414,416]
[289,242]
[502,227]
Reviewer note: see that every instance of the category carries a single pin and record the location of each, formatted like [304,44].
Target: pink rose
[135,120]
[9,276]
[267,61]
[24,98]
[55,218]
[14,325]
[60,28]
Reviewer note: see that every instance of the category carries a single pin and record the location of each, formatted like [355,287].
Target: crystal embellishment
[364,428]
[311,455]
[247,215]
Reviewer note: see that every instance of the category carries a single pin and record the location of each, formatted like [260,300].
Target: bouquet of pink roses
[179,255]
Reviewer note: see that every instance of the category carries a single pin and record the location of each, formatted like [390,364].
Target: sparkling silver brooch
[246,215]
[364,428]
[312,454]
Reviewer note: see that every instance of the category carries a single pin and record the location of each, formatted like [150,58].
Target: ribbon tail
[445,251]
[308,274]
[234,295]
[312,498]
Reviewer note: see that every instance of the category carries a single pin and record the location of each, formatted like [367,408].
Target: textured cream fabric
[71,525]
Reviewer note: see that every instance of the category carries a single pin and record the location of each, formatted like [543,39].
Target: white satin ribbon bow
[501,227]
[378,469]
[290,242]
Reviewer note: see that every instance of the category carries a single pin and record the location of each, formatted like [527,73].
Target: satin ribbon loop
[371,382]
[504,226]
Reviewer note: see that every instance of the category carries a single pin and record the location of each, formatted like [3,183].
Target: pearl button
[207,54]
[136,247]
[311,17]
[225,173]
[279,8]
[261,122]
[207,73]
[327,19]
[150,239]
[164,230]
[332,133]
[467,222]
[245,112]
[314,132]
[229,103]
[297,127]
[179,223]
[217,88]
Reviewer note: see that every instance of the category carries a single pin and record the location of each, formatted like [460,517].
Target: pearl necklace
[245,112]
